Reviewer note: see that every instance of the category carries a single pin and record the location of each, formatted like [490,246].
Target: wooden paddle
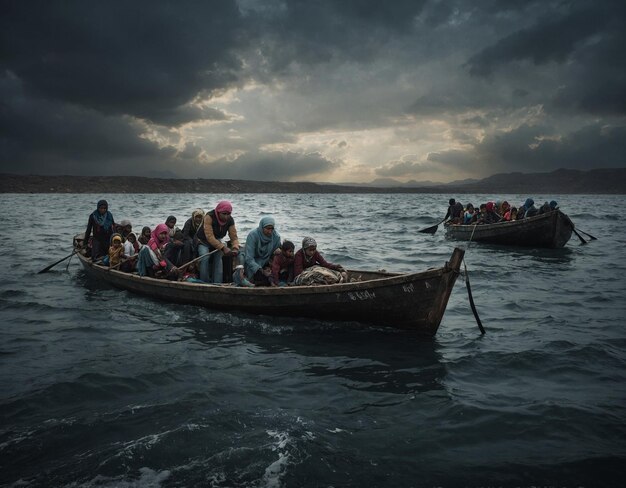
[48,268]
[588,235]
[196,259]
[582,240]
[432,229]
[122,261]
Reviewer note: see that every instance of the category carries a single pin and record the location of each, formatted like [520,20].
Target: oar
[197,259]
[582,240]
[588,235]
[48,268]
[432,229]
[122,261]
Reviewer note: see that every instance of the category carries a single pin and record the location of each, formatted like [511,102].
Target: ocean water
[103,388]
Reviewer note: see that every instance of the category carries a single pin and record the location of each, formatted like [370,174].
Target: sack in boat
[318,275]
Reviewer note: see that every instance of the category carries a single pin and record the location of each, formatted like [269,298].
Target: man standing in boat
[216,224]
[455,211]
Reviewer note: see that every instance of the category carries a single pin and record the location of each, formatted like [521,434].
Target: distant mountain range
[391,183]
[561,181]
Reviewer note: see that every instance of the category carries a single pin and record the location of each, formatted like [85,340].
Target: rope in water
[469,287]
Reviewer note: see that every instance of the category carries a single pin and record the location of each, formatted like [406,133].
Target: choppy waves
[101,387]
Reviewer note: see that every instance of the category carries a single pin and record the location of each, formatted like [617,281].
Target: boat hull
[549,230]
[414,301]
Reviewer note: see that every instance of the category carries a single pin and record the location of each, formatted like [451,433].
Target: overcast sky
[311,90]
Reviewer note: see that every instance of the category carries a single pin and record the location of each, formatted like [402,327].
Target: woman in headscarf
[190,249]
[215,225]
[260,246]
[529,208]
[144,238]
[102,224]
[151,258]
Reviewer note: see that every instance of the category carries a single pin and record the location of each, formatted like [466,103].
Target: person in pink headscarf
[216,224]
[151,258]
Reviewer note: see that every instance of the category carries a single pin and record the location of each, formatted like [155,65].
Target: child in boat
[116,251]
[511,214]
[124,228]
[468,216]
[282,265]
[171,225]
[309,256]
[131,249]
[174,250]
[190,274]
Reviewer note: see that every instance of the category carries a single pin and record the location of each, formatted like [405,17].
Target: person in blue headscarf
[261,244]
[103,226]
[530,209]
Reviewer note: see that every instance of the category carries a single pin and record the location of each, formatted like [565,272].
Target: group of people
[493,212]
[198,252]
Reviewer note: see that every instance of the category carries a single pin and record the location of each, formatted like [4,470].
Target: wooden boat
[552,230]
[414,301]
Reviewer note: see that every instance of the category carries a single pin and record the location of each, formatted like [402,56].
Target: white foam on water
[272,478]
[148,478]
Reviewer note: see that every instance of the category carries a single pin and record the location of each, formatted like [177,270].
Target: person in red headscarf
[216,224]
[491,216]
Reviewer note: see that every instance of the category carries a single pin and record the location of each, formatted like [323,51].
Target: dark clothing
[545,208]
[189,231]
[101,237]
[491,218]
[455,212]
[282,269]
[301,262]
[144,239]
[174,253]
[259,279]
[531,212]
[190,240]
[219,231]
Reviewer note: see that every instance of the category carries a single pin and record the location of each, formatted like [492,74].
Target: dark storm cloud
[597,84]
[115,86]
[536,148]
[50,137]
[141,58]
[271,166]
[324,31]
[551,39]
[586,39]
[76,75]
[532,148]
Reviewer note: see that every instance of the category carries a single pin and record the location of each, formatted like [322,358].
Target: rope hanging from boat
[469,288]
[68,263]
